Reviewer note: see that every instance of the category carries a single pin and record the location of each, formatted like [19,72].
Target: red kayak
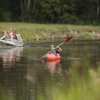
[53,57]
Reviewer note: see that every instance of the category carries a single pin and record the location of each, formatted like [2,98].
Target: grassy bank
[31,32]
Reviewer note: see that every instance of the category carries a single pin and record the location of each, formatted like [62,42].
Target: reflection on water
[75,77]
[10,56]
[8,71]
[54,66]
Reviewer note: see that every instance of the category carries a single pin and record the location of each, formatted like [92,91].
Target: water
[24,77]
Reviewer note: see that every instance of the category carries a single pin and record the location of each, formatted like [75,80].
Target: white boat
[15,42]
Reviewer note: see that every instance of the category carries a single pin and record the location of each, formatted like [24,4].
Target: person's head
[58,50]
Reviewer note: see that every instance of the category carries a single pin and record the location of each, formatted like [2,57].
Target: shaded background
[51,11]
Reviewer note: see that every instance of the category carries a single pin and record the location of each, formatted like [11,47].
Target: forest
[50,11]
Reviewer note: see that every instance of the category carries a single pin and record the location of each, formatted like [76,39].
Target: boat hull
[11,43]
[53,57]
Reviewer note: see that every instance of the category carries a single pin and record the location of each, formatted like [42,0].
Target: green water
[24,77]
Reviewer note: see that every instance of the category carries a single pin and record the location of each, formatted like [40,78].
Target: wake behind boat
[13,42]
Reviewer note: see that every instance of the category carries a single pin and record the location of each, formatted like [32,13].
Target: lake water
[24,77]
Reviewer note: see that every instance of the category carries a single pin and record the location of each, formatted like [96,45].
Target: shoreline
[32,32]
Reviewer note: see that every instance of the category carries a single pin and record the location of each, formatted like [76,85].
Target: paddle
[66,39]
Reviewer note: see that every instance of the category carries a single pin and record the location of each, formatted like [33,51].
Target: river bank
[39,32]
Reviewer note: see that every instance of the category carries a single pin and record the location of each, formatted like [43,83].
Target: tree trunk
[98,12]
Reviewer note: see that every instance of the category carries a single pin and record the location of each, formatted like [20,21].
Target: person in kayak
[56,50]
[52,55]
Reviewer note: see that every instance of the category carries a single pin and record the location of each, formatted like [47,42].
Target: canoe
[14,42]
[53,57]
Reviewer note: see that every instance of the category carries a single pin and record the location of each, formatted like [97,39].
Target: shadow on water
[24,77]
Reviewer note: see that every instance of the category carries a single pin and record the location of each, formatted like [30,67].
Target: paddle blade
[68,38]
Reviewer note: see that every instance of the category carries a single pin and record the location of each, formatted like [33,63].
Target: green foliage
[52,11]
